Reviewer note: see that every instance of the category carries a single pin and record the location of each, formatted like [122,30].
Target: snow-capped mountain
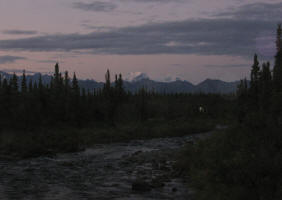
[136,76]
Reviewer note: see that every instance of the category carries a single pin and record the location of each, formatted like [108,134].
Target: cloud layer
[203,36]
[19,32]
[154,1]
[236,32]
[255,11]
[97,6]
[10,59]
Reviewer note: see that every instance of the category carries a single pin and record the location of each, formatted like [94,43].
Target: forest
[60,116]
[244,161]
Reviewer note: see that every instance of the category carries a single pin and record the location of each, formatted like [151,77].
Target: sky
[167,39]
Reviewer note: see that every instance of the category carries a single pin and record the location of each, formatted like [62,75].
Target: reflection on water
[102,172]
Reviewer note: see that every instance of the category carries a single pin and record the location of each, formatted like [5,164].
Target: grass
[49,142]
[237,163]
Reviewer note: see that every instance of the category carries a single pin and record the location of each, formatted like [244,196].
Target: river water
[101,172]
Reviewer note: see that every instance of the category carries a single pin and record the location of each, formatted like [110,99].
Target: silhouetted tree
[277,79]
[23,84]
[14,83]
[265,88]
[254,84]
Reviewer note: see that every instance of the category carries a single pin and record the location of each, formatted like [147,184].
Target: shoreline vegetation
[243,161]
[21,145]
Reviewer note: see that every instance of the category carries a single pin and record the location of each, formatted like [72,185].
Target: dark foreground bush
[235,164]
[18,145]
[62,140]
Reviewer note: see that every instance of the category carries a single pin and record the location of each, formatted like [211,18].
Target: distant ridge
[177,86]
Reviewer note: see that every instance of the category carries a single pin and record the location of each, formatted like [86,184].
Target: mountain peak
[136,76]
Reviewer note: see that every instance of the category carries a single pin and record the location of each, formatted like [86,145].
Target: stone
[141,186]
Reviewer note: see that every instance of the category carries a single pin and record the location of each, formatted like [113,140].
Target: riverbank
[19,145]
[236,163]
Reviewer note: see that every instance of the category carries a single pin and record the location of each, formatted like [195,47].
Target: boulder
[141,186]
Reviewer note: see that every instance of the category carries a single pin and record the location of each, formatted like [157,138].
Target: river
[140,169]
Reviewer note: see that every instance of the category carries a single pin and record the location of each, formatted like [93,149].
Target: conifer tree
[266,87]
[56,75]
[254,85]
[61,80]
[40,84]
[5,86]
[277,69]
[51,83]
[277,80]
[66,83]
[142,104]
[116,81]
[66,79]
[23,84]
[75,86]
[242,95]
[0,81]
[107,85]
[14,83]
[120,85]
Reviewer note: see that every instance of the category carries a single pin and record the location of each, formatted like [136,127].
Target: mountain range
[142,80]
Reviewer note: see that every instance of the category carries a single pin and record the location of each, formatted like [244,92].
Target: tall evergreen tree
[277,69]
[5,86]
[277,79]
[66,79]
[242,96]
[14,83]
[266,88]
[57,75]
[40,84]
[0,81]
[254,84]
[75,86]
[107,85]
[23,84]
[120,84]
[278,38]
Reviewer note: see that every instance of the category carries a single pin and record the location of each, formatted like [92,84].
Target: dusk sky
[166,39]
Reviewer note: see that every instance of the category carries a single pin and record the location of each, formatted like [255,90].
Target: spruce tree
[266,89]
[56,75]
[5,86]
[40,84]
[0,81]
[107,85]
[277,69]
[66,80]
[23,84]
[14,83]
[52,83]
[277,79]
[242,96]
[75,86]
[120,85]
[254,84]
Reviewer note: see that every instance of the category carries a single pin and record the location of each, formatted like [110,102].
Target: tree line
[60,102]
[244,161]
[261,98]
[28,105]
